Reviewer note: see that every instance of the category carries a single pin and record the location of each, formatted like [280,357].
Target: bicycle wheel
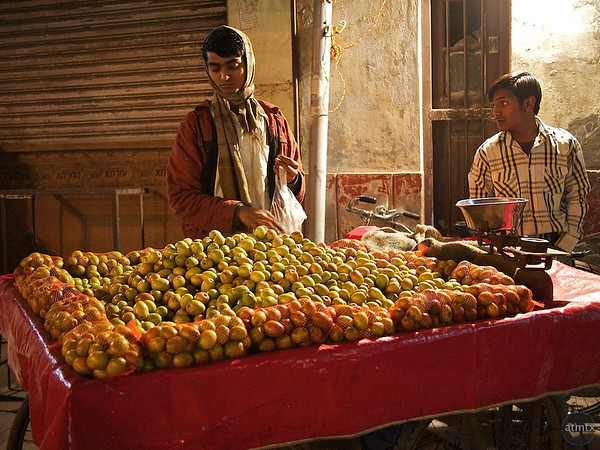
[515,426]
[586,400]
[16,436]
[584,408]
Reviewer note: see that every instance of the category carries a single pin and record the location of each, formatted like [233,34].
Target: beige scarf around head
[226,109]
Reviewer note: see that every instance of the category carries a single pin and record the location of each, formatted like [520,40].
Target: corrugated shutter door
[100,74]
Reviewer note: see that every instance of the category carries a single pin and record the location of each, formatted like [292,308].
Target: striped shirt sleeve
[574,199]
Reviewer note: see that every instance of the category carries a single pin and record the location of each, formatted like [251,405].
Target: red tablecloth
[306,393]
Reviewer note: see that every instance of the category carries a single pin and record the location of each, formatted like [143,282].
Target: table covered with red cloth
[299,394]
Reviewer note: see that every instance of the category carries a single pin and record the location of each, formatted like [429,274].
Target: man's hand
[290,166]
[252,218]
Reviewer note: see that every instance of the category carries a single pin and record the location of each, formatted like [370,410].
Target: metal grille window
[469,44]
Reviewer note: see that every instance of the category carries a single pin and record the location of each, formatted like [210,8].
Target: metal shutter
[100,74]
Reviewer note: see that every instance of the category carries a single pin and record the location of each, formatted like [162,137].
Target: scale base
[530,253]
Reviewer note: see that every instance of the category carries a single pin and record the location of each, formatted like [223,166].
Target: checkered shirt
[552,177]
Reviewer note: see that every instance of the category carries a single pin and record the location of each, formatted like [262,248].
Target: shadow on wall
[587,131]
[14,174]
[592,220]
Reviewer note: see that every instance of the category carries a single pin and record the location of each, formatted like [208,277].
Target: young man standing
[531,160]
[222,165]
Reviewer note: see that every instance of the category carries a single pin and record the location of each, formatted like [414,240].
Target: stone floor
[9,405]
[11,396]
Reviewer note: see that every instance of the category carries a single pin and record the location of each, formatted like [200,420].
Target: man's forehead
[213,58]
[503,94]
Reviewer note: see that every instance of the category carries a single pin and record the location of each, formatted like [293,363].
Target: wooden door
[469,50]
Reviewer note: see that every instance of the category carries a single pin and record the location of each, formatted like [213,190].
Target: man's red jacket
[192,167]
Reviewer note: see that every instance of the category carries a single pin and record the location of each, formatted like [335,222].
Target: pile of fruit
[203,300]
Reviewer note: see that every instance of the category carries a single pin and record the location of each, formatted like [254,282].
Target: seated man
[531,160]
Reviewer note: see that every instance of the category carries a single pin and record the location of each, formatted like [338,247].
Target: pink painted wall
[400,191]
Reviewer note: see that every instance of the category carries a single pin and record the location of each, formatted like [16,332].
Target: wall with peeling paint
[559,42]
[374,88]
[374,143]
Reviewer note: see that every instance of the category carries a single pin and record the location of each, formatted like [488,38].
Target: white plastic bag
[285,207]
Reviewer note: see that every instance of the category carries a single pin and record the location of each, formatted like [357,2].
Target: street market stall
[329,390]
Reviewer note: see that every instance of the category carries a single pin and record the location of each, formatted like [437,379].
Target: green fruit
[140,309]
[154,318]
[161,284]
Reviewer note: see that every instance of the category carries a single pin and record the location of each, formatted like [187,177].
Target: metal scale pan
[497,219]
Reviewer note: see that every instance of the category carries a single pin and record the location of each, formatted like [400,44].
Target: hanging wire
[337,49]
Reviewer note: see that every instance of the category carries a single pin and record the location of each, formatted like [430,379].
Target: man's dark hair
[521,84]
[224,42]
